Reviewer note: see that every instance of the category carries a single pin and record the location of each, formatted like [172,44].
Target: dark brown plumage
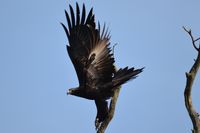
[93,60]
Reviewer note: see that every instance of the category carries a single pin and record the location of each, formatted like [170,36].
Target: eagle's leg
[102,112]
[97,123]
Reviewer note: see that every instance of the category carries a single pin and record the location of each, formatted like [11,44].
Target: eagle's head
[80,92]
[72,91]
[76,92]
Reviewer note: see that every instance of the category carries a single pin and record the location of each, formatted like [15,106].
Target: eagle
[90,52]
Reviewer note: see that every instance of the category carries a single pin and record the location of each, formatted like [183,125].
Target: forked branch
[188,88]
[192,38]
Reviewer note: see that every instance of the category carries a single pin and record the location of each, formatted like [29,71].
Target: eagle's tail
[124,75]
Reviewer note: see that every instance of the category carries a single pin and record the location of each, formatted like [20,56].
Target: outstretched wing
[88,48]
[100,68]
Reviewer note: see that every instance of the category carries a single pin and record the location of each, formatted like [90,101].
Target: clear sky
[35,70]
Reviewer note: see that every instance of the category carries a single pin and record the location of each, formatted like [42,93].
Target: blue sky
[36,70]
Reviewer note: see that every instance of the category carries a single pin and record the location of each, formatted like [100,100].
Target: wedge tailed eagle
[90,52]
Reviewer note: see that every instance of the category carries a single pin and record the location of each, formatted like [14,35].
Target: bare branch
[192,38]
[197,39]
[113,48]
[188,88]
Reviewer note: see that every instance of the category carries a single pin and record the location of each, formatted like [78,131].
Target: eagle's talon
[97,123]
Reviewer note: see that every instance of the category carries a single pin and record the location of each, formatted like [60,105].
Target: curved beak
[68,92]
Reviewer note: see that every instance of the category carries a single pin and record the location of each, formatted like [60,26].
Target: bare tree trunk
[188,88]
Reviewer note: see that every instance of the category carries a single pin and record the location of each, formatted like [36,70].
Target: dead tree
[188,88]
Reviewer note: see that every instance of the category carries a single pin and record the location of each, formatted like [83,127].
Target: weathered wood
[188,88]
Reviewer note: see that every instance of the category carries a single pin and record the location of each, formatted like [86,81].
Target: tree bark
[190,76]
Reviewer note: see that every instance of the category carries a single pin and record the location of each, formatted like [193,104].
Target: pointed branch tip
[192,38]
